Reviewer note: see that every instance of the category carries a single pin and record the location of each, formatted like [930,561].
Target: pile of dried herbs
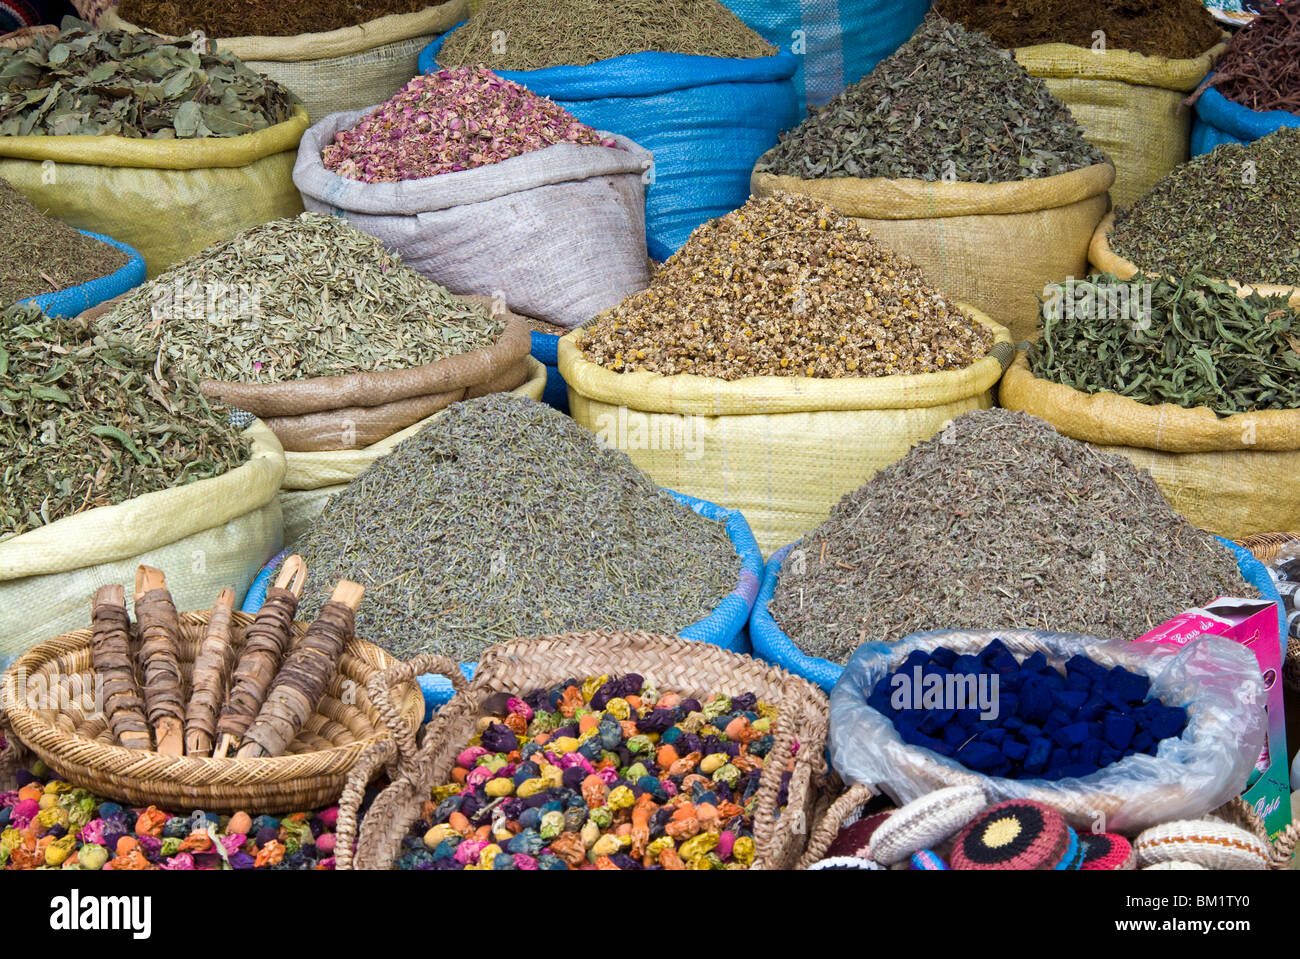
[786,286]
[42,254]
[115,83]
[505,518]
[1196,343]
[242,18]
[1230,213]
[297,298]
[1261,67]
[525,35]
[1157,28]
[947,105]
[998,522]
[88,423]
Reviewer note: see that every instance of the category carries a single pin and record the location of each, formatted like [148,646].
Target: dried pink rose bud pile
[452,120]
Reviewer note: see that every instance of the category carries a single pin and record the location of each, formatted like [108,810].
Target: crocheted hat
[854,838]
[925,822]
[1106,850]
[927,860]
[1016,834]
[1207,842]
[844,862]
[1072,858]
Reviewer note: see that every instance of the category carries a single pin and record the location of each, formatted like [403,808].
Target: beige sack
[995,246]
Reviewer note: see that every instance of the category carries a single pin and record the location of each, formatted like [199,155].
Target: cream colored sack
[312,478]
[993,245]
[1234,476]
[346,69]
[782,450]
[167,198]
[1129,105]
[205,535]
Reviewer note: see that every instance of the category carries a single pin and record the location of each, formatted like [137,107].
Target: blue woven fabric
[706,119]
[545,349]
[78,299]
[256,594]
[773,645]
[1219,120]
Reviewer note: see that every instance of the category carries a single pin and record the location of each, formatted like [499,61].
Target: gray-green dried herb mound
[998,522]
[1196,342]
[297,298]
[116,83]
[947,105]
[42,254]
[85,423]
[1232,213]
[526,35]
[505,518]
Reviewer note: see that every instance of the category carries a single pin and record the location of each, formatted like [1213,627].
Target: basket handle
[380,686]
[828,826]
[378,753]
[11,759]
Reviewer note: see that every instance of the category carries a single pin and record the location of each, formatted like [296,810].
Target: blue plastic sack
[78,299]
[772,644]
[842,40]
[706,119]
[1219,120]
[546,351]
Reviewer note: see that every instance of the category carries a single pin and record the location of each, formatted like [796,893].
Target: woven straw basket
[522,665]
[80,748]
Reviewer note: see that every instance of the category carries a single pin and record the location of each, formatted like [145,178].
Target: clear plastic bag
[1215,678]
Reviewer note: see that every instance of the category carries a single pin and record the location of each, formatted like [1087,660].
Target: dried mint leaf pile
[505,518]
[1201,345]
[948,104]
[296,298]
[579,32]
[1232,214]
[85,423]
[42,254]
[115,83]
[786,286]
[998,522]
[247,18]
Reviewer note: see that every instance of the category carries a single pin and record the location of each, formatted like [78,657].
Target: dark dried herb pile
[998,522]
[1261,67]
[505,518]
[251,18]
[42,254]
[948,104]
[85,423]
[1158,28]
[1232,213]
[1201,345]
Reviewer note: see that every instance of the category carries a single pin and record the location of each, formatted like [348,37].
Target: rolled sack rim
[1067,61]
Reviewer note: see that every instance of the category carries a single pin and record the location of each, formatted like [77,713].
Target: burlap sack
[995,246]
[1128,104]
[782,450]
[1234,476]
[344,69]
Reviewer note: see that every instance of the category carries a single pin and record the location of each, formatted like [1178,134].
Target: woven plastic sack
[1219,120]
[77,299]
[559,233]
[995,246]
[346,69]
[206,535]
[1232,475]
[705,119]
[169,199]
[1128,104]
[545,350]
[781,449]
[1217,680]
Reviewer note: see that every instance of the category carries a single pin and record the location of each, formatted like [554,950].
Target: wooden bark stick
[208,684]
[160,634]
[111,649]
[305,677]
[265,643]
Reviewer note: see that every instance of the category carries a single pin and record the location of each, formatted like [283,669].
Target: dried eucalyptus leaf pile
[1200,345]
[42,254]
[786,286]
[116,83]
[297,298]
[998,522]
[505,518]
[948,104]
[86,423]
[1230,214]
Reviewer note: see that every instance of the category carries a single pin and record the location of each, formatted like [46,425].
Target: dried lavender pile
[505,518]
[998,522]
[785,286]
[449,121]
